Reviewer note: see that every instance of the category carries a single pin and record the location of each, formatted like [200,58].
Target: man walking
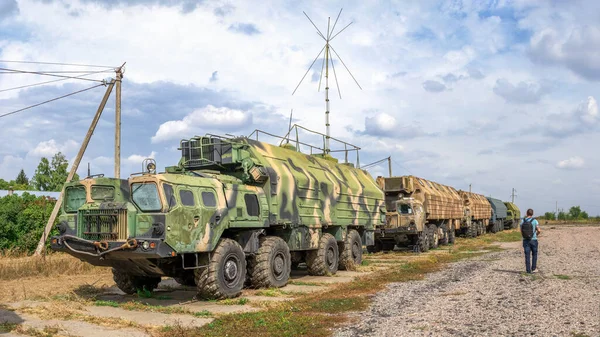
[529,231]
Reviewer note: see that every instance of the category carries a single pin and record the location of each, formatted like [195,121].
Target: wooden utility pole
[74,167]
[119,77]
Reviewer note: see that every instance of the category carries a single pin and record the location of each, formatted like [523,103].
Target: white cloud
[571,163]
[138,159]
[51,147]
[208,118]
[588,110]
[523,92]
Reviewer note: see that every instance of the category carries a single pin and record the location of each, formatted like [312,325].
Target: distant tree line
[574,213]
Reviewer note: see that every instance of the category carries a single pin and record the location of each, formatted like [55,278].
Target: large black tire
[434,237]
[350,251]
[451,235]
[226,272]
[271,265]
[445,237]
[186,278]
[130,284]
[473,230]
[325,259]
[421,241]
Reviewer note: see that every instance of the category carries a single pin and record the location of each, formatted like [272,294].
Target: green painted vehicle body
[514,215]
[234,188]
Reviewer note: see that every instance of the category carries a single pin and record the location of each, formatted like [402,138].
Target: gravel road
[489,295]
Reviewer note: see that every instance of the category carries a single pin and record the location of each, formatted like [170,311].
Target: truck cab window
[208,199]
[251,204]
[145,196]
[405,209]
[74,198]
[187,198]
[170,195]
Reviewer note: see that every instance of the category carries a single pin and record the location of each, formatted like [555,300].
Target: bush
[22,221]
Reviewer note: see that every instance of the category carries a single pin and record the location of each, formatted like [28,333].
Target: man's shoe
[534,271]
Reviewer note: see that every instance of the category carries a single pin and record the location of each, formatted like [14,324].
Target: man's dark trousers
[531,248]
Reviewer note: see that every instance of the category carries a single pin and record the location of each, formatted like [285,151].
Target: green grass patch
[234,301]
[562,277]
[579,334]
[7,327]
[365,262]
[272,292]
[203,313]
[303,283]
[144,293]
[100,303]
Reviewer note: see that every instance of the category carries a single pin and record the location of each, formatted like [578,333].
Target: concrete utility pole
[513,195]
[469,188]
[74,167]
[118,79]
[390,165]
[556,216]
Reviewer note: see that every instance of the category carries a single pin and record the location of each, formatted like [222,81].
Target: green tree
[575,212]
[22,178]
[584,215]
[42,179]
[549,216]
[563,216]
[51,176]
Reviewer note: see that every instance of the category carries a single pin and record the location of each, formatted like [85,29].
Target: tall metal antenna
[289,127]
[327,61]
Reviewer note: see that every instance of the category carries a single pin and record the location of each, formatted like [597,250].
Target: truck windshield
[74,198]
[145,196]
[404,209]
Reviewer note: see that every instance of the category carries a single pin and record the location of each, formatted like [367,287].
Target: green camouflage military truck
[513,215]
[234,211]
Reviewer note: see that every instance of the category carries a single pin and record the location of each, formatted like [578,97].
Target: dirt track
[490,296]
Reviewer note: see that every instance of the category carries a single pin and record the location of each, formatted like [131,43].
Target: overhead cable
[58,80]
[57,63]
[44,74]
[51,100]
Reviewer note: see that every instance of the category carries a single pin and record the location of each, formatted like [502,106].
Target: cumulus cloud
[588,111]
[244,28]
[8,8]
[205,119]
[186,6]
[385,125]
[433,86]
[138,159]
[522,93]
[577,50]
[571,163]
[51,147]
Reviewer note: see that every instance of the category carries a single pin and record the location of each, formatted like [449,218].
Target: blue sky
[497,94]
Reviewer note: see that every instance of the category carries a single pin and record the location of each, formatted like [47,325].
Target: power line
[50,100]
[58,71]
[44,74]
[60,64]
[41,83]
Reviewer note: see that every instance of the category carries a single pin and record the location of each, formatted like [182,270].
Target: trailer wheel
[226,272]
[324,259]
[434,236]
[473,229]
[130,284]
[451,236]
[271,265]
[350,251]
[445,237]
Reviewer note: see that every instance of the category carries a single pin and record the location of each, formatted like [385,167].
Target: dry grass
[17,267]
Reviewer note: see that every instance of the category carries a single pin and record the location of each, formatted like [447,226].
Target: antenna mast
[327,61]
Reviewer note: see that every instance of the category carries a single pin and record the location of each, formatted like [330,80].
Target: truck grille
[104,224]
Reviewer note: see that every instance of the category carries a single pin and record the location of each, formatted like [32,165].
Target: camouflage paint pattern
[298,196]
[478,206]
